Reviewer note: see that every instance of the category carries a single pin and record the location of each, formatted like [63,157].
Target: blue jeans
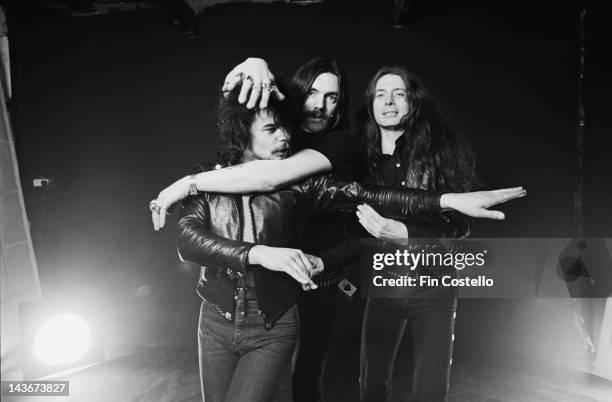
[241,360]
[430,322]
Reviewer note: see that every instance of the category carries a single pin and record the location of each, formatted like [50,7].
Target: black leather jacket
[210,233]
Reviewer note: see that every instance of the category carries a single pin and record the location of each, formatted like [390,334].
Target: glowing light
[63,339]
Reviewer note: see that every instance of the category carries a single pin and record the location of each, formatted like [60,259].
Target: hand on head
[257,81]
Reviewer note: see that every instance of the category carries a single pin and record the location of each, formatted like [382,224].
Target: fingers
[231,80]
[309,286]
[158,216]
[269,89]
[278,95]
[297,265]
[368,224]
[255,92]
[297,272]
[162,217]
[317,264]
[155,209]
[507,194]
[370,217]
[305,262]
[155,220]
[265,95]
[247,84]
[370,212]
[163,208]
[317,269]
[495,215]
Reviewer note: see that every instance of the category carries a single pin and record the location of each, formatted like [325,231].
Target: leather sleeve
[198,245]
[331,193]
[453,225]
[342,254]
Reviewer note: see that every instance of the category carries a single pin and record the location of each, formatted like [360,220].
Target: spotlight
[60,334]
[62,339]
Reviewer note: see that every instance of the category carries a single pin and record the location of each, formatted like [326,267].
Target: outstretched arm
[405,202]
[251,177]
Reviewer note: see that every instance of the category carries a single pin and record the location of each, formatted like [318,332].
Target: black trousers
[430,322]
[317,312]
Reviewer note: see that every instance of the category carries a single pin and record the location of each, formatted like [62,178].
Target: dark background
[115,107]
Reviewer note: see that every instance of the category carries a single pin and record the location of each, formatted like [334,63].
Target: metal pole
[580,126]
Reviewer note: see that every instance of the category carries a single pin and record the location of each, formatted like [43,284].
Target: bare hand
[289,260]
[169,196]
[476,204]
[318,267]
[381,227]
[259,84]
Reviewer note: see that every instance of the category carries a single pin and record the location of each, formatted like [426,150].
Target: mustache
[317,114]
[286,150]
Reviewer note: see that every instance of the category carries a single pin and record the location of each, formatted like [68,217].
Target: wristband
[193,189]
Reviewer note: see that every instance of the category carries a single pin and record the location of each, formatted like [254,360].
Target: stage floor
[171,374]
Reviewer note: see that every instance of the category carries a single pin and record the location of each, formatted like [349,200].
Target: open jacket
[210,233]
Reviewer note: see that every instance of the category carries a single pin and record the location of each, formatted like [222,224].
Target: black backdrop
[115,107]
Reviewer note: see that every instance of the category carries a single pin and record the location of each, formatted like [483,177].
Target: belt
[332,278]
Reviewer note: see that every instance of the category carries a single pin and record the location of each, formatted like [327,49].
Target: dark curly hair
[234,123]
[439,158]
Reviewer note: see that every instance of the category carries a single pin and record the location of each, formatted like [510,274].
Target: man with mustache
[318,95]
[251,268]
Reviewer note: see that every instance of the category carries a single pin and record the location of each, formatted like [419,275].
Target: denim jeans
[241,360]
[430,322]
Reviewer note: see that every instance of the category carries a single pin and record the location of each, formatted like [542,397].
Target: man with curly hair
[247,246]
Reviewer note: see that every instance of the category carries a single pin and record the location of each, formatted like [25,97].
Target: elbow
[184,245]
[180,256]
[183,251]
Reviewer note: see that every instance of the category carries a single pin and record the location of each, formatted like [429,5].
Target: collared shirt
[394,169]
[394,172]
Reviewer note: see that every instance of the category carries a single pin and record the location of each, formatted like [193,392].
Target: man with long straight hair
[251,266]
[408,143]
[318,95]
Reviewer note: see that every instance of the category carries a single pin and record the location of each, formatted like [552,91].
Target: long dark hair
[302,80]
[234,124]
[439,159]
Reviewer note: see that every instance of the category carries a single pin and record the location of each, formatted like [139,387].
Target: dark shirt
[339,147]
[394,172]
[325,234]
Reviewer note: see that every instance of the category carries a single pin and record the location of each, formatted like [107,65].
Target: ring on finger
[268,86]
[248,78]
[153,205]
